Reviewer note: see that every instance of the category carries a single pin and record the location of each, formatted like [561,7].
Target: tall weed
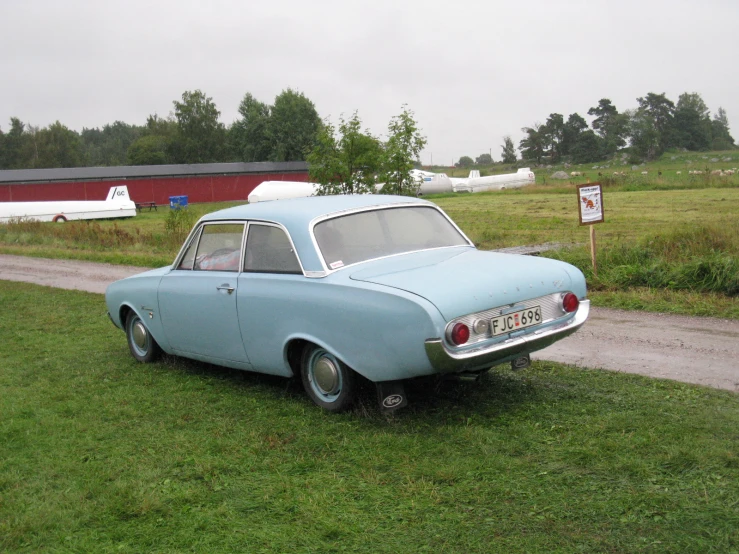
[178,224]
[698,258]
[77,235]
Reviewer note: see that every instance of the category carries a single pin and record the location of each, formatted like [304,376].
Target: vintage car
[385,287]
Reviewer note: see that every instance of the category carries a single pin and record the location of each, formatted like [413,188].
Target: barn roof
[20,176]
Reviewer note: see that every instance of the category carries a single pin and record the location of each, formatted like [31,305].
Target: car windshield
[357,237]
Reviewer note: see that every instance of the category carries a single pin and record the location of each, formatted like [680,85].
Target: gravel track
[698,350]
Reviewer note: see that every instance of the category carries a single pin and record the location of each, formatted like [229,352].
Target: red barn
[147,183]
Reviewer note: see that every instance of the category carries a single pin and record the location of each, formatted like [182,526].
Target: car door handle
[225,286]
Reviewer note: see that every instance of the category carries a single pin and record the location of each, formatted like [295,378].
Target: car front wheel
[329,382]
[142,345]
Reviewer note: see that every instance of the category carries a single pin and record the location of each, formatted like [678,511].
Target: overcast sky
[471,71]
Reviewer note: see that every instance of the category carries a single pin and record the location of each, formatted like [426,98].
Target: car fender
[148,319]
[138,293]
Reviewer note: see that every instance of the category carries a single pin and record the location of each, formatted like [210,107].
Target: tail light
[570,302]
[460,334]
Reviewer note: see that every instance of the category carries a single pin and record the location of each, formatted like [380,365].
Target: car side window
[219,248]
[268,250]
[189,257]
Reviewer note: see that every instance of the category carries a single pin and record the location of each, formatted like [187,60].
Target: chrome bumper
[444,360]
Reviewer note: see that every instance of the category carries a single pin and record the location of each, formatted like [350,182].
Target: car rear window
[357,237]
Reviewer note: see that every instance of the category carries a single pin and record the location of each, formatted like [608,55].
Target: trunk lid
[460,281]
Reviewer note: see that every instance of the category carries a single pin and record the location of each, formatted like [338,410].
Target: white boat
[117,204]
[281,190]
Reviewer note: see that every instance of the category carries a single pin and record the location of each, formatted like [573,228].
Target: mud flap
[522,362]
[391,395]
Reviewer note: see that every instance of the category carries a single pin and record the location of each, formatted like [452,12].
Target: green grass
[684,240]
[101,454]
[662,174]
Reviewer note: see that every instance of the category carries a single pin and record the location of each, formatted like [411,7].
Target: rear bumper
[445,361]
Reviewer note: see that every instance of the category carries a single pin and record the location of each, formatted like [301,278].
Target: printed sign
[590,202]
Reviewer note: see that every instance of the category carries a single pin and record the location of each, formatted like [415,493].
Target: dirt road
[702,350]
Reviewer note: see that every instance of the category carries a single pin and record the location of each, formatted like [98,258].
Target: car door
[269,286]
[197,299]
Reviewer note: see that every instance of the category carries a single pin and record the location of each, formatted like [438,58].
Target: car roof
[296,212]
[295,215]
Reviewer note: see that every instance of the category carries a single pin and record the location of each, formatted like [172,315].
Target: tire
[329,382]
[60,219]
[142,345]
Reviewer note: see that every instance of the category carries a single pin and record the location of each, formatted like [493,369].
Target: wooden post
[592,250]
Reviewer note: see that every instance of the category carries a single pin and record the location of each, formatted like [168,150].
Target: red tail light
[460,334]
[570,302]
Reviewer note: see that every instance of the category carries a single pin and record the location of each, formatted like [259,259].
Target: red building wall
[209,188]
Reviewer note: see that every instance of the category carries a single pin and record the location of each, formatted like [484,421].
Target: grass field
[666,244]
[661,173]
[101,454]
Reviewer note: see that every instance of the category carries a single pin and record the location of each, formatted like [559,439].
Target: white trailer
[117,204]
[281,190]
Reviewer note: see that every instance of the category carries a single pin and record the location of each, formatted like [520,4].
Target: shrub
[700,259]
[178,225]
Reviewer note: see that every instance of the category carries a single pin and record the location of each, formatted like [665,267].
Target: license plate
[515,321]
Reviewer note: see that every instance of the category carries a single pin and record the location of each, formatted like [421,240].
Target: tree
[248,137]
[465,161]
[293,126]
[533,144]
[509,151]
[346,164]
[148,150]
[722,139]
[693,102]
[645,139]
[484,159]
[572,129]
[11,156]
[403,147]
[108,146]
[692,122]
[200,136]
[156,125]
[56,146]
[587,147]
[659,111]
[610,125]
[553,135]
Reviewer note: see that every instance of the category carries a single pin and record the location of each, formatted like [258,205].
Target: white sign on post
[590,203]
[590,200]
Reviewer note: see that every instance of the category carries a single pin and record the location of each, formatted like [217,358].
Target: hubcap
[326,375]
[139,335]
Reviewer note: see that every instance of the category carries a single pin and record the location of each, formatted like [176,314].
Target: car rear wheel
[142,345]
[60,219]
[329,382]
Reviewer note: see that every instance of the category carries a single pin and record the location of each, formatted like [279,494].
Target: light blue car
[334,287]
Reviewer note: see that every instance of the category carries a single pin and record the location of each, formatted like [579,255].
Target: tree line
[346,159]
[283,131]
[655,125]
[290,129]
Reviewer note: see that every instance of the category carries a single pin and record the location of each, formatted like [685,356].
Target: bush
[700,259]
[178,224]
